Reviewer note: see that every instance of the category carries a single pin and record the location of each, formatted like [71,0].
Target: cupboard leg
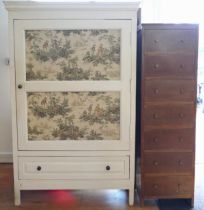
[17,197]
[131,196]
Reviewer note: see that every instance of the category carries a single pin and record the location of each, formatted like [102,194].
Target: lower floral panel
[73,115]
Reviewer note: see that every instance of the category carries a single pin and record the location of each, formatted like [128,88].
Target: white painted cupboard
[73,71]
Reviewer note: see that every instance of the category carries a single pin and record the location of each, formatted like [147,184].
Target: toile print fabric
[73,115]
[72,54]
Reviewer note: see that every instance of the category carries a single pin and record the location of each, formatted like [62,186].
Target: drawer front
[74,167]
[168,186]
[169,90]
[169,114]
[176,65]
[170,40]
[159,139]
[168,162]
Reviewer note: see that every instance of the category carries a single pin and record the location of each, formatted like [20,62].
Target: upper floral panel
[72,54]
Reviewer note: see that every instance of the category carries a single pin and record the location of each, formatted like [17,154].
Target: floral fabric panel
[73,115]
[72,54]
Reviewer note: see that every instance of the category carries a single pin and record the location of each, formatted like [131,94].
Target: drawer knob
[155,139]
[156,66]
[156,90]
[155,186]
[155,163]
[156,41]
[108,168]
[155,116]
[178,188]
[181,91]
[181,67]
[20,86]
[181,115]
[182,41]
[180,162]
[39,168]
[180,139]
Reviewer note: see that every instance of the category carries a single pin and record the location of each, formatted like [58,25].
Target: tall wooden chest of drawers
[168,108]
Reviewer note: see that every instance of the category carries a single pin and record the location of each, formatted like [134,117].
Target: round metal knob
[108,168]
[155,116]
[156,90]
[181,91]
[181,41]
[155,163]
[156,66]
[180,139]
[180,162]
[181,115]
[155,139]
[181,66]
[178,189]
[156,41]
[20,86]
[39,168]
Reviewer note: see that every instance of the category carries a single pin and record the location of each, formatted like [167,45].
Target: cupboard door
[73,84]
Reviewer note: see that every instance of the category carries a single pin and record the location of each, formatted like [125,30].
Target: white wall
[5,111]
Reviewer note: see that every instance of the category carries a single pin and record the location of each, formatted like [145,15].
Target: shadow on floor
[174,204]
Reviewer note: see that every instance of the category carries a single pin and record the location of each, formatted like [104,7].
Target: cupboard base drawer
[73,167]
[167,186]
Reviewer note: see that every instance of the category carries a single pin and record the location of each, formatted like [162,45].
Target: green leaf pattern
[73,115]
[72,54]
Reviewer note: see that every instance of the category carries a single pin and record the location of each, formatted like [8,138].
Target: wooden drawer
[74,167]
[169,114]
[169,139]
[176,65]
[170,40]
[169,90]
[166,186]
[168,162]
